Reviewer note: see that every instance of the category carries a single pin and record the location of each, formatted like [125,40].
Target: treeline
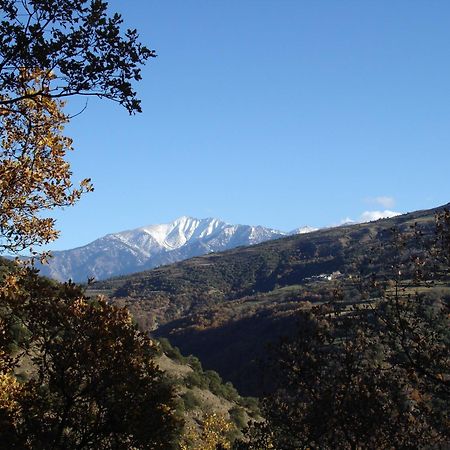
[368,376]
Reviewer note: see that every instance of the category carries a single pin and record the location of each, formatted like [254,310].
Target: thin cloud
[369,216]
[346,221]
[382,200]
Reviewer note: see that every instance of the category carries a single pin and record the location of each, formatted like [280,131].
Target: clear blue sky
[279,113]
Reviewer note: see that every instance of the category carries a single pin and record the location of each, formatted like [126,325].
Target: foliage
[34,175]
[225,308]
[190,400]
[258,436]
[208,380]
[50,50]
[251,404]
[237,415]
[211,380]
[372,376]
[213,434]
[197,403]
[92,380]
[172,352]
[74,40]
[74,373]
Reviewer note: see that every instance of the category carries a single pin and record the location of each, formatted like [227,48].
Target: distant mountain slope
[152,246]
[259,268]
[226,307]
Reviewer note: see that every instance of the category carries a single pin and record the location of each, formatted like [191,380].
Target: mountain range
[155,245]
[228,308]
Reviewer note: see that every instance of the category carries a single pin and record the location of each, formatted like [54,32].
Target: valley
[228,308]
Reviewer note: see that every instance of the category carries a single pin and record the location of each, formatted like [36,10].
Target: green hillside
[226,308]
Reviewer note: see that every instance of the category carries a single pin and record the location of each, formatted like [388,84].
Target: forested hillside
[226,308]
[334,339]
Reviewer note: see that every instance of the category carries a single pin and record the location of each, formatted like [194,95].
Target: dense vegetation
[202,395]
[50,51]
[358,317]
[261,268]
[373,375]
[77,373]
[358,357]
[74,372]
[228,321]
[363,361]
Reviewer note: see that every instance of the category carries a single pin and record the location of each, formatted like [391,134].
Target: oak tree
[88,376]
[51,50]
[34,174]
[74,372]
[77,41]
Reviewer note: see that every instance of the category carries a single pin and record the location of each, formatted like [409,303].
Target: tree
[371,376]
[90,376]
[75,373]
[76,42]
[34,175]
[213,434]
[51,50]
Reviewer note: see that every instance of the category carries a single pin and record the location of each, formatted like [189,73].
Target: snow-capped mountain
[154,245]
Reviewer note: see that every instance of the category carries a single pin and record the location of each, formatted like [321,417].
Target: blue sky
[279,113]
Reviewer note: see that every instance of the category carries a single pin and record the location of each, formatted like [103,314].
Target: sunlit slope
[225,308]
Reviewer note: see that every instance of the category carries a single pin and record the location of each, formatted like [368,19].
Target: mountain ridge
[227,307]
[154,245]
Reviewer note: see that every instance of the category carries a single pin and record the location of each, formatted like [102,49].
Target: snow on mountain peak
[153,245]
[175,234]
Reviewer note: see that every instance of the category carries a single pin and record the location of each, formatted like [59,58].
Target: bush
[194,379]
[237,415]
[252,406]
[195,364]
[190,400]
[170,351]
